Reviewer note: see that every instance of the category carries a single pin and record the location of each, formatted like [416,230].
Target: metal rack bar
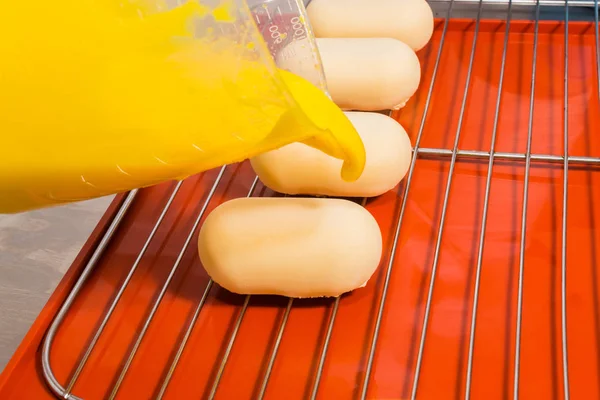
[454,155]
[327,340]
[48,340]
[238,323]
[142,333]
[523,10]
[233,336]
[563,278]
[486,203]
[265,382]
[524,212]
[319,374]
[549,3]
[276,346]
[184,341]
[388,273]
[482,155]
[117,297]
[596,36]
[192,322]
[438,244]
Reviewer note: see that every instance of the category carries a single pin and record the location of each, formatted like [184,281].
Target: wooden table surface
[36,249]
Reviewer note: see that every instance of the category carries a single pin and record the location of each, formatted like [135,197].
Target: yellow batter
[102,96]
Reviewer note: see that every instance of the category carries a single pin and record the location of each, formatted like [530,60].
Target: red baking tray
[530,289]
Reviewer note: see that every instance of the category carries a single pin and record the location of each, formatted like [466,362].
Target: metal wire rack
[512,22]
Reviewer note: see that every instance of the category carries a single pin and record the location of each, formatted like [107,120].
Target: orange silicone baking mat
[454,244]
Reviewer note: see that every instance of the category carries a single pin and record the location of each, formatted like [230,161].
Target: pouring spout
[332,131]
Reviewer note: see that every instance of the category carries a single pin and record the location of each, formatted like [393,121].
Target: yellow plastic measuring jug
[104,96]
